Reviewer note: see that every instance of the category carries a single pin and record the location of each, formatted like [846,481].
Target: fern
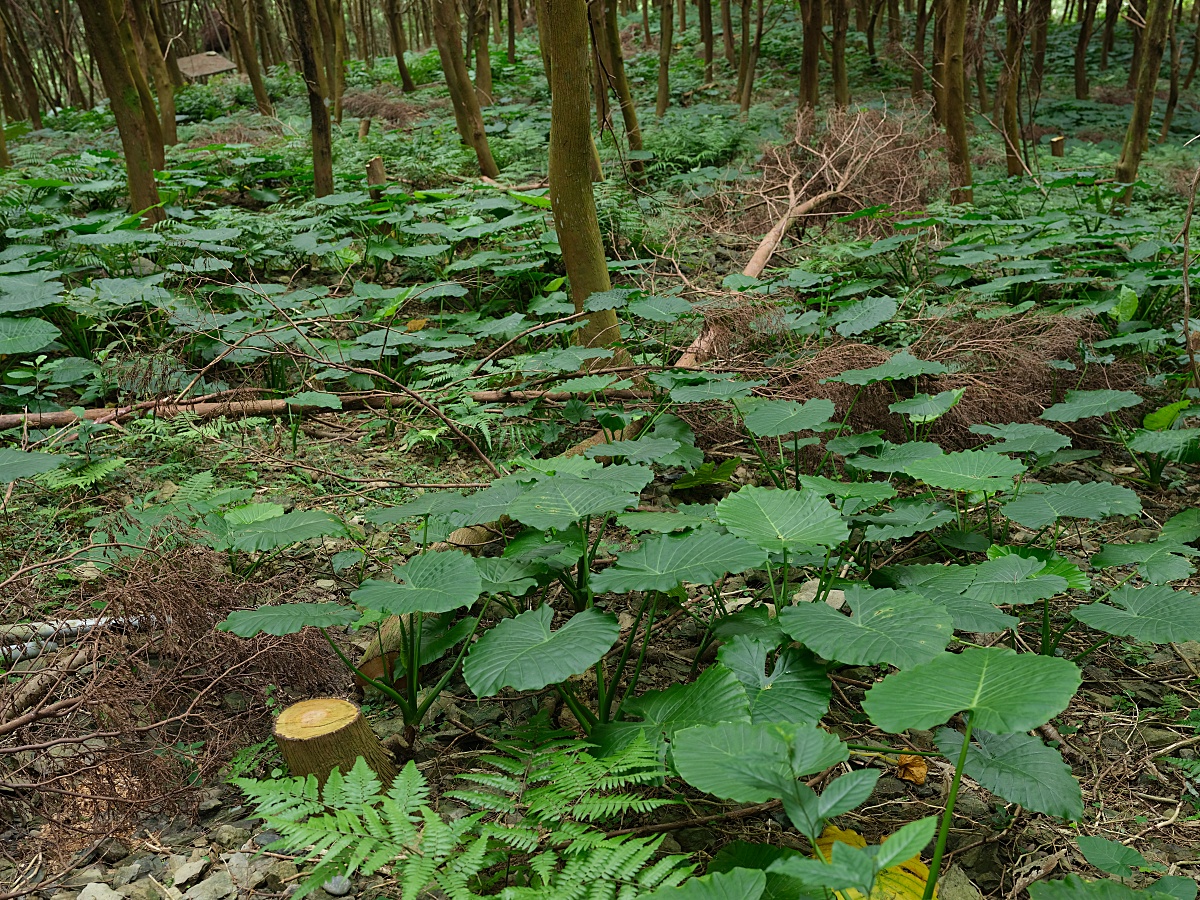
[82,477]
[194,489]
[526,838]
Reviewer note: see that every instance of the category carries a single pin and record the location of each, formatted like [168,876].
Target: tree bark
[1153,41]
[1008,91]
[1176,60]
[156,61]
[810,54]
[1137,26]
[322,138]
[23,63]
[840,15]
[957,151]
[917,88]
[448,37]
[145,97]
[620,83]
[483,56]
[1087,17]
[395,20]
[1112,12]
[571,147]
[239,23]
[727,33]
[1037,44]
[706,37]
[105,45]
[752,63]
[317,736]
[665,19]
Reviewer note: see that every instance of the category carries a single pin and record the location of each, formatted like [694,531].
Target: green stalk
[1047,637]
[948,816]
[385,689]
[894,751]
[605,704]
[637,672]
[445,679]
[1092,649]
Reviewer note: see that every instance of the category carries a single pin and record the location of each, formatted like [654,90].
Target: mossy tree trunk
[467,114]
[483,56]
[571,148]
[322,138]
[1154,38]
[395,21]
[164,85]
[1137,27]
[1087,17]
[666,18]
[955,115]
[140,82]
[1112,12]
[812,18]
[840,20]
[104,43]
[620,83]
[240,23]
[1039,29]
[1008,92]
[706,37]
[1175,68]
[917,87]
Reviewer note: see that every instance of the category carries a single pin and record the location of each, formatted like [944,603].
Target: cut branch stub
[320,735]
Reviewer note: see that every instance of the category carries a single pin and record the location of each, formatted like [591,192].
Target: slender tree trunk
[706,37]
[340,51]
[448,37]
[239,22]
[571,147]
[1112,12]
[512,31]
[743,46]
[1137,20]
[22,61]
[917,88]
[938,75]
[862,15]
[395,20]
[840,15]
[8,94]
[322,137]
[129,45]
[1008,92]
[106,47]
[1187,82]
[1176,59]
[682,16]
[483,56]
[645,23]
[620,83]
[1037,44]
[1154,38]
[810,54]
[1087,16]
[957,151]
[727,33]
[665,19]
[602,64]
[895,33]
[164,88]
[752,64]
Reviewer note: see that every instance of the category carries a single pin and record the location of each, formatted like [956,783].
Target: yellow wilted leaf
[912,768]
[416,324]
[903,881]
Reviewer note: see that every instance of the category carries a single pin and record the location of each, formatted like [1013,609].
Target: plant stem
[948,816]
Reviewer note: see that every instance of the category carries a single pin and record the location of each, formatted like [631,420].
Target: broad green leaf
[524,654]
[1179,887]
[738,884]
[500,575]
[664,521]
[744,855]
[848,867]
[923,408]
[782,520]
[797,690]
[562,500]
[318,399]
[665,561]
[1019,768]
[907,517]
[901,366]
[1004,692]
[967,470]
[716,696]
[1159,562]
[900,629]
[714,389]
[25,335]
[1086,404]
[287,618]
[1111,856]
[1041,505]
[1024,438]
[864,315]
[752,763]
[16,464]
[435,582]
[893,458]
[241,516]
[854,495]
[809,811]
[1183,527]
[1075,888]
[1157,614]
[1178,444]
[773,418]
[643,450]
[660,309]
[1052,564]
[1164,417]
[285,530]
[1014,580]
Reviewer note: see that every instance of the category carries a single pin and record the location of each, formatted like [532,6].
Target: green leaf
[900,629]
[665,521]
[643,450]
[750,763]
[714,389]
[1178,886]
[315,399]
[738,884]
[1004,692]
[797,690]
[1159,562]
[967,470]
[901,366]
[716,696]
[250,513]
[25,335]
[1086,404]
[1165,416]
[854,495]
[562,500]
[660,309]
[907,517]
[864,315]
[507,576]
[665,561]
[285,530]
[1183,527]
[893,458]
[524,654]
[744,855]
[1156,614]
[1112,857]
[1040,505]
[1178,444]
[1052,564]
[1014,580]
[1075,888]
[435,582]
[923,409]
[773,418]
[782,520]
[1024,438]
[287,618]
[17,464]
[1019,768]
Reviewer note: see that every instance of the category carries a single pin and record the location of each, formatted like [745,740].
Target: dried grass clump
[234,133]
[377,104]
[122,722]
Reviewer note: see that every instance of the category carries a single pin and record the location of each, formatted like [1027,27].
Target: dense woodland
[560,449]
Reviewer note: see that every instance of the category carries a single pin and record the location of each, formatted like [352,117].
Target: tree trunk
[665,19]
[957,152]
[1137,25]
[512,32]
[752,64]
[1176,59]
[1112,12]
[917,88]
[322,138]
[1037,44]
[895,33]
[840,15]
[706,37]
[743,46]
[571,147]
[145,36]
[1187,82]
[1008,91]
[395,20]
[601,63]
[1153,40]
[620,83]
[1087,16]
[727,33]
[106,48]
[810,53]
[483,57]
[938,74]
[448,37]
[239,22]
[18,47]
[317,736]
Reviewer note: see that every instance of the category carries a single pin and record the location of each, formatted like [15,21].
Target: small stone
[693,840]
[125,875]
[142,889]
[90,875]
[1155,738]
[337,886]
[278,874]
[238,865]
[670,845]
[955,885]
[229,836]
[266,838]
[97,891]
[112,850]
[888,789]
[215,887]
[189,872]
[970,806]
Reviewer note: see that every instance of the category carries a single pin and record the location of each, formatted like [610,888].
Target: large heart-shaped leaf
[796,690]
[1043,504]
[1019,768]
[864,315]
[782,520]
[774,418]
[1004,692]
[1156,614]
[1019,437]
[902,365]
[1158,562]
[907,517]
[1086,404]
[897,628]
[1013,580]
[643,450]
[430,583]
[562,500]
[853,496]
[923,408]
[25,335]
[737,884]
[665,561]
[287,618]
[524,654]
[967,470]
[1112,857]
[285,530]
[15,464]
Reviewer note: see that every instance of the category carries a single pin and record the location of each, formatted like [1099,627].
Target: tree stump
[317,736]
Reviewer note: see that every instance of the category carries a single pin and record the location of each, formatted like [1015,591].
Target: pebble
[189,872]
[266,838]
[337,886]
[229,836]
[215,887]
[97,891]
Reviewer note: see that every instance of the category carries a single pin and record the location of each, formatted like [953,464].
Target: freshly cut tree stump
[317,736]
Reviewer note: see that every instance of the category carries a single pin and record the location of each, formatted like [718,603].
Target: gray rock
[693,840]
[888,789]
[60,895]
[90,875]
[112,850]
[1155,737]
[276,875]
[955,885]
[125,875]
[969,806]
[230,836]
[98,891]
[238,865]
[189,872]
[215,887]
[142,889]
[337,886]
[266,838]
